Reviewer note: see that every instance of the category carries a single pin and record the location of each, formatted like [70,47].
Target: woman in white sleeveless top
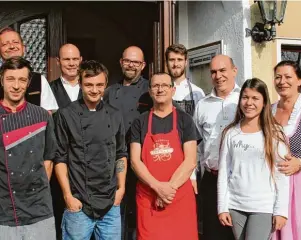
[287,112]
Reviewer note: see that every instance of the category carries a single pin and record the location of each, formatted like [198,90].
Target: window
[199,59]
[33,33]
[291,52]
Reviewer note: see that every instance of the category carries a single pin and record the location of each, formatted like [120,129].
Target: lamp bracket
[259,33]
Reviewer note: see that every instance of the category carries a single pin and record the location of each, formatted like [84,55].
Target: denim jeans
[79,226]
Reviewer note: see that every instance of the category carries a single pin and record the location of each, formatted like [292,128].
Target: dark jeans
[212,229]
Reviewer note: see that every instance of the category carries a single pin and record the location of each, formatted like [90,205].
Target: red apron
[162,154]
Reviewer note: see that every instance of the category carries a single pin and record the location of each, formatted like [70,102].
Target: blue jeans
[78,226]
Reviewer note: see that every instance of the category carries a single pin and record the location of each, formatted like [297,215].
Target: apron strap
[150,121]
[190,90]
[174,119]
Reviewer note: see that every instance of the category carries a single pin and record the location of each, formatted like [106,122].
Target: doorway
[101,30]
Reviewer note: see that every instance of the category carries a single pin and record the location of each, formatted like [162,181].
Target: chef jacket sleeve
[61,132]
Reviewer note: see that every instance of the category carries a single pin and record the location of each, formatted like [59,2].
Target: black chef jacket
[90,142]
[27,139]
[131,100]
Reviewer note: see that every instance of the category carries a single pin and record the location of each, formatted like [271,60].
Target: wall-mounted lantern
[272,12]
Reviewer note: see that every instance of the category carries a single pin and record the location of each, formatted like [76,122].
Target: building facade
[201,24]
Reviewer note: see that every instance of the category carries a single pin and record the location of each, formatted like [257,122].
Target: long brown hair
[269,126]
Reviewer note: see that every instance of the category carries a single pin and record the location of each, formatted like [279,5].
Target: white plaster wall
[203,22]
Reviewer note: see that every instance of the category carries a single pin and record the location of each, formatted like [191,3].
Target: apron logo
[162,151]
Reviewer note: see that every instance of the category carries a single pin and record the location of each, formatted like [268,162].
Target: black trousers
[212,228]
[129,205]
[58,205]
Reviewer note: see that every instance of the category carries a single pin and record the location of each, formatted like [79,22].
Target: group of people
[76,154]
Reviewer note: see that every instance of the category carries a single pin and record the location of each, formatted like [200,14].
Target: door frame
[163,35]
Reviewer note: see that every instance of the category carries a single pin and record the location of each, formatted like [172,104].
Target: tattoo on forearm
[120,166]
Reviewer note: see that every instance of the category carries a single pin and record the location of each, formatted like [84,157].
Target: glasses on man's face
[163,86]
[127,62]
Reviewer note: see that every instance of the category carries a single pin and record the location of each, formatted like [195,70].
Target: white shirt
[183,92]
[72,91]
[48,100]
[245,182]
[211,116]
[293,121]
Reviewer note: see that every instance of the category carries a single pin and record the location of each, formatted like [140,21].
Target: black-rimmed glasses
[126,62]
[163,86]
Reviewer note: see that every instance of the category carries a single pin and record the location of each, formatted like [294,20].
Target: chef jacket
[27,139]
[131,100]
[90,142]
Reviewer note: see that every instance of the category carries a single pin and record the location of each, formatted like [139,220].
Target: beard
[132,75]
[177,72]
[129,75]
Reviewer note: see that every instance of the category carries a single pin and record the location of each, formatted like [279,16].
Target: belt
[212,171]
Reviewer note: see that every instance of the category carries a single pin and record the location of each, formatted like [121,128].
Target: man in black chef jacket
[91,160]
[128,95]
[131,97]
[27,151]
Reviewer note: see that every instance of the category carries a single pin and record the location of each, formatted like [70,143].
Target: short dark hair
[160,74]
[92,68]
[9,29]
[176,48]
[293,64]
[15,63]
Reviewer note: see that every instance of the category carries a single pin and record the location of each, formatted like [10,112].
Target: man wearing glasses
[131,97]
[126,94]
[163,155]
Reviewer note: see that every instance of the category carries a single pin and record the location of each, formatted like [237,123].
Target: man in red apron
[163,155]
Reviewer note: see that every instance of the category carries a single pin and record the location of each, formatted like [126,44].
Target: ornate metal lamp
[272,12]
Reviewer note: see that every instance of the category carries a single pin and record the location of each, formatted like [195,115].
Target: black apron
[187,106]
[60,93]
